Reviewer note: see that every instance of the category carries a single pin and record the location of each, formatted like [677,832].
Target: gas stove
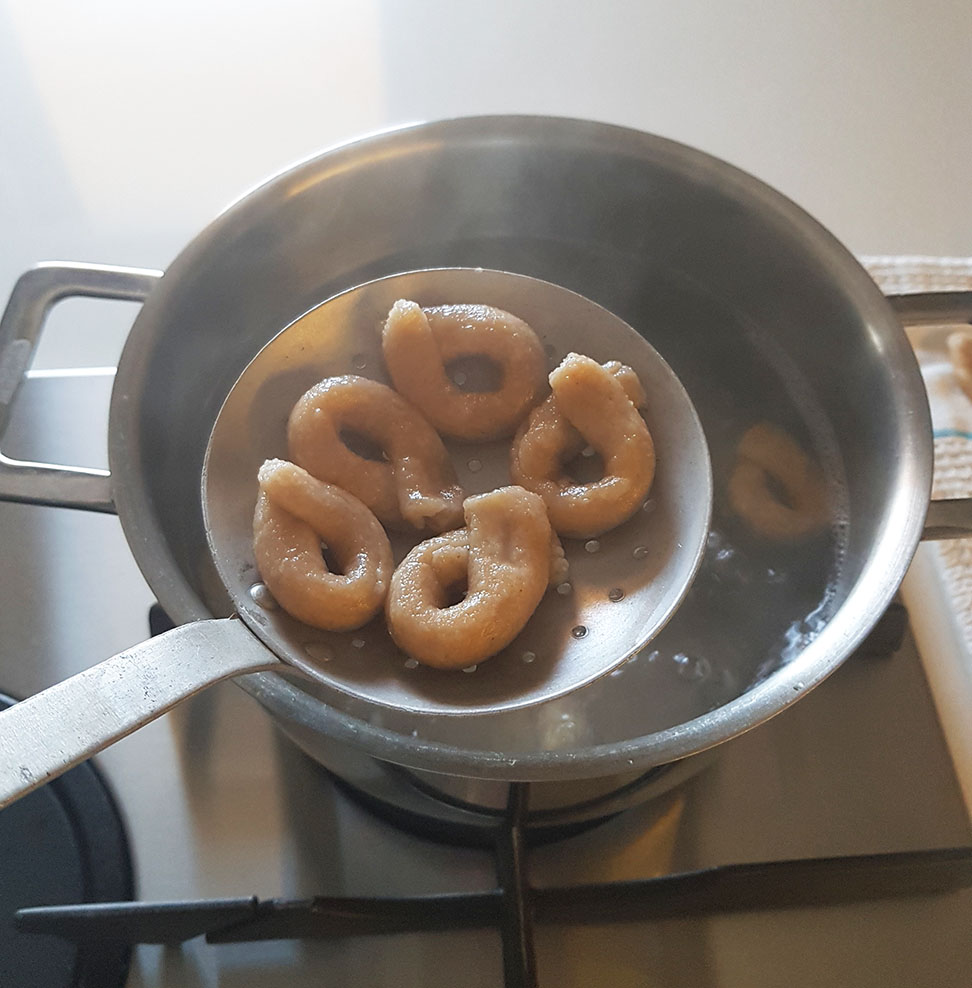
[217,805]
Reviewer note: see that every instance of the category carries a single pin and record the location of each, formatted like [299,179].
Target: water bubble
[475,465]
[528,656]
[640,552]
[588,451]
[801,633]
[318,651]
[653,655]
[359,361]
[616,594]
[262,597]
[459,378]
[357,643]
[592,545]
[471,668]
[728,564]
[415,734]
[411,663]
[649,506]
[694,670]
[563,589]
[579,631]
[560,733]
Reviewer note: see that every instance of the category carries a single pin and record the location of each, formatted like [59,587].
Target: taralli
[591,404]
[414,483]
[775,487]
[294,513]
[419,344]
[557,570]
[959,346]
[504,562]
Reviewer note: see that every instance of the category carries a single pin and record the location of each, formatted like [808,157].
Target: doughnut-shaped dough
[419,344]
[414,485]
[591,404]
[558,567]
[503,559]
[294,512]
[775,487]
[959,346]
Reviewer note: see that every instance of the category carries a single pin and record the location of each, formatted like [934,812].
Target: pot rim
[872,592]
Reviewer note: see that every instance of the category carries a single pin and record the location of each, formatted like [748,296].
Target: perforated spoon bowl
[622,587]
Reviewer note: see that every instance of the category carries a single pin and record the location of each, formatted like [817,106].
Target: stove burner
[458,812]
[413,804]
[63,843]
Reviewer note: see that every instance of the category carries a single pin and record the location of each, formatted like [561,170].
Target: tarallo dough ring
[797,505]
[458,539]
[414,485]
[591,404]
[294,513]
[503,558]
[419,344]
[959,346]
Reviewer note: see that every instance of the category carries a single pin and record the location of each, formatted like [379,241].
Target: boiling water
[755,604]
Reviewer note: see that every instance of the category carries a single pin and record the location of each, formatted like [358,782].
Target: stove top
[218,805]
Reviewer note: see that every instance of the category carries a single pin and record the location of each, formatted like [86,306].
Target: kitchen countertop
[126,127]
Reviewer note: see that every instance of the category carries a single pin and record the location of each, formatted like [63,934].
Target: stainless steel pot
[758,309]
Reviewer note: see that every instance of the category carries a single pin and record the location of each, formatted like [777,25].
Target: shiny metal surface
[99,706]
[933,308]
[685,248]
[84,714]
[35,293]
[218,804]
[344,335]
[948,519]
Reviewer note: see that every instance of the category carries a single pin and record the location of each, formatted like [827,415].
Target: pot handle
[45,735]
[34,295]
[950,518]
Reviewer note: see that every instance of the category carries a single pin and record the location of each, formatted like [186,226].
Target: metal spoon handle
[948,519]
[52,731]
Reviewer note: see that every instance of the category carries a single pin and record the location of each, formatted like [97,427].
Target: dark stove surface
[64,843]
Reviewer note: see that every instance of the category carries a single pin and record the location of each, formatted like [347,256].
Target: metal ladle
[622,587]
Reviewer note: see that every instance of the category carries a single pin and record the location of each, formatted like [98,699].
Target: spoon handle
[50,732]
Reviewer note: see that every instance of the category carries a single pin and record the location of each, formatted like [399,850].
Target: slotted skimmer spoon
[621,590]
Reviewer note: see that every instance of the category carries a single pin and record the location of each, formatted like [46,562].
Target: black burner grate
[63,843]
